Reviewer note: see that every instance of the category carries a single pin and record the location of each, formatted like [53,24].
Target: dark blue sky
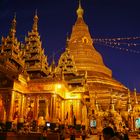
[105,18]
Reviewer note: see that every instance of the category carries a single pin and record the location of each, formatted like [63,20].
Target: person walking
[72,133]
[83,134]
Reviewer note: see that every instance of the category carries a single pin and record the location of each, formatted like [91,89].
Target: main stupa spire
[80,10]
[81,47]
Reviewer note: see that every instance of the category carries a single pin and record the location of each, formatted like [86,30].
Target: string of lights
[127,41]
[117,39]
[119,43]
[118,48]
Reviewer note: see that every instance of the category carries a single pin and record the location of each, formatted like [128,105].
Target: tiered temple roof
[35,59]
[11,56]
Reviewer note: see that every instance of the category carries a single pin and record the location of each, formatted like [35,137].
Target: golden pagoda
[78,91]
[88,60]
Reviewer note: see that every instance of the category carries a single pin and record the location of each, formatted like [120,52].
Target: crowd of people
[108,133]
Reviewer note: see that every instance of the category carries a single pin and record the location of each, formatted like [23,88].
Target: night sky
[105,18]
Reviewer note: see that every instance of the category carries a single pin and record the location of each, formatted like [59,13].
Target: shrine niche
[42,108]
[30,110]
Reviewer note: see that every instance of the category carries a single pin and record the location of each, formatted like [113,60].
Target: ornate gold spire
[81,47]
[80,10]
[67,37]
[66,62]
[35,59]
[128,93]
[53,64]
[13,27]
[35,24]
[67,41]
[135,96]
[129,107]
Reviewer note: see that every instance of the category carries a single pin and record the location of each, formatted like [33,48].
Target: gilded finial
[35,24]
[129,101]
[52,66]
[128,92]
[135,96]
[79,3]
[53,61]
[36,12]
[67,40]
[80,10]
[67,36]
[14,22]
[135,90]
[15,14]
[13,26]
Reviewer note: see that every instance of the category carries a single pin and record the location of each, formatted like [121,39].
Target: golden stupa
[89,62]
[78,91]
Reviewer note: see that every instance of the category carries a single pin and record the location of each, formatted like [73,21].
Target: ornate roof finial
[135,96]
[53,63]
[80,10]
[35,24]
[67,36]
[67,40]
[13,26]
[129,107]
[128,92]
[15,15]
[36,12]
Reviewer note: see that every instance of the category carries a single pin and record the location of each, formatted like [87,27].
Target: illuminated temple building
[79,90]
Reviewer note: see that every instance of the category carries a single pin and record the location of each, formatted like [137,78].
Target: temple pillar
[36,104]
[10,113]
[53,108]
[79,112]
[47,117]
[62,108]
[134,118]
[2,112]
[59,110]
[67,112]
[21,117]
[71,114]
[56,110]
[132,123]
